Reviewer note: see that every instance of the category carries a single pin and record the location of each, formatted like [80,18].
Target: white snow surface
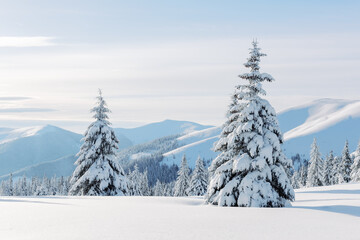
[331,212]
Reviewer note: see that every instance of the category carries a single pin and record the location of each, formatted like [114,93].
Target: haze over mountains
[50,150]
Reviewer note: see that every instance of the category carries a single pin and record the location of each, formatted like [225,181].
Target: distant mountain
[156,130]
[60,167]
[50,150]
[331,121]
[198,143]
[24,147]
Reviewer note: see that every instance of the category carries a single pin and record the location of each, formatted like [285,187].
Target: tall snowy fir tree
[315,176]
[183,179]
[355,167]
[199,179]
[345,165]
[97,171]
[250,170]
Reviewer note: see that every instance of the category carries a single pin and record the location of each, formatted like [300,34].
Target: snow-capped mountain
[198,143]
[331,121]
[48,150]
[156,130]
[24,147]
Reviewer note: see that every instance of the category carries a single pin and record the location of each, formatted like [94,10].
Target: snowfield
[331,212]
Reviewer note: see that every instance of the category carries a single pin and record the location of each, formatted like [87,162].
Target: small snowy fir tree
[199,179]
[182,181]
[250,170]
[345,165]
[303,175]
[97,171]
[135,182]
[144,184]
[336,169]
[158,188]
[355,167]
[315,170]
[328,169]
[295,180]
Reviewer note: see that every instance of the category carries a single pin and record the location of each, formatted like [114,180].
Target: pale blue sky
[159,60]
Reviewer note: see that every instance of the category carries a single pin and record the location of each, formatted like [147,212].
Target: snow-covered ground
[318,213]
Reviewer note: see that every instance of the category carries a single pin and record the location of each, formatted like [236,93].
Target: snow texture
[331,213]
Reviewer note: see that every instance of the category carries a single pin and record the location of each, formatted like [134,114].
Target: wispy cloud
[38,41]
[14,98]
[24,110]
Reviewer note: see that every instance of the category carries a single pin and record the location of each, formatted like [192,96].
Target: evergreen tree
[303,175]
[182,181]
[144,184]
[295,180]
[158,189]
[97,171]
[250,170]
[328,169]
[199,179]
[345,165]
[336,169]
[355,167]
[135,181]
[315,170]
[11,186]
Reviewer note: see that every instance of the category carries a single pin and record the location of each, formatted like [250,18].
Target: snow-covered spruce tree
[182,181]
[135,182]
[159,189]
[355,167]
[250,169]
[144,184]
[336,169]
[345,165]
[328,169]
[295,180]
[199,179]
[303,175]
[315,171]
[97,171]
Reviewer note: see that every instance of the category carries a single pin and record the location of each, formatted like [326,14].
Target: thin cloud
[25,110]
[14,98]
[26,41]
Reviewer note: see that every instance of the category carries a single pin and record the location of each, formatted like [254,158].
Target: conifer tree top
[254,87]
[101,109]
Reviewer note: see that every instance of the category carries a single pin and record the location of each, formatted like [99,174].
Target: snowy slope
[318,213]
[156,130]
[63,166]
[198,143]
[331,121]
[20,148]
[40,150]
